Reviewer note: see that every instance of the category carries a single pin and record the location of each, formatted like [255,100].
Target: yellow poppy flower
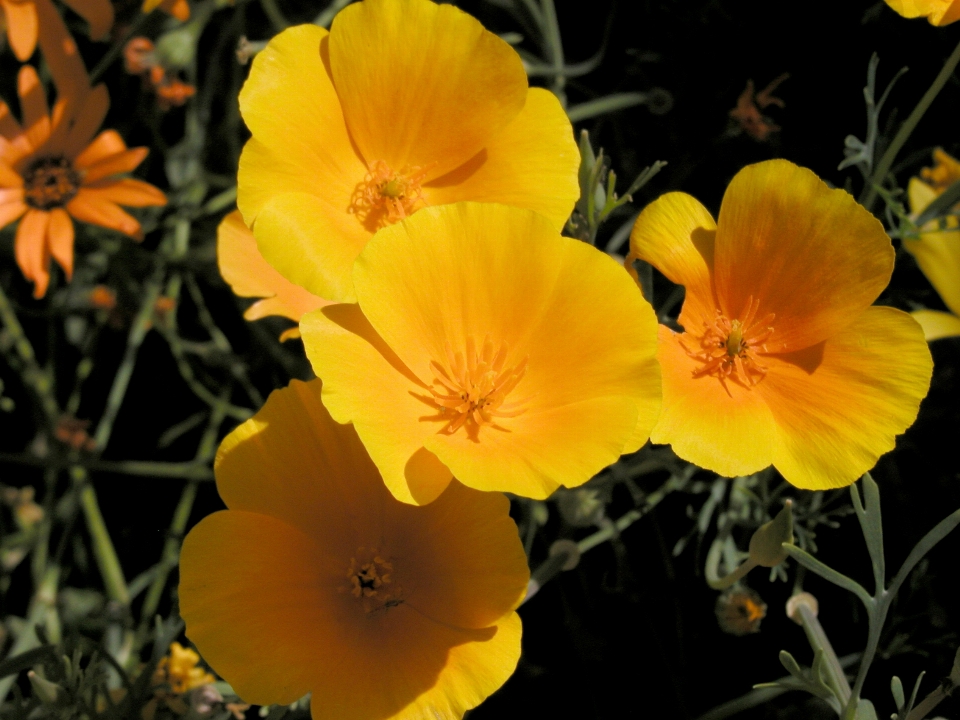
[488,347]
[937,249]
[407,104]
[317,580]
[249,275]
[783,360]
[938,12]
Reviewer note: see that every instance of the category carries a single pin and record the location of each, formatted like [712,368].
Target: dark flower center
[50,182]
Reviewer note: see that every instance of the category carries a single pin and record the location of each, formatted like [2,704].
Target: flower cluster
[407,216]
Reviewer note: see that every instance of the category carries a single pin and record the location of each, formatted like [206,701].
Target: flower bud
[766,544]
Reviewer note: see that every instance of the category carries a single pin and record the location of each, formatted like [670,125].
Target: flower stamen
[50,182]
[384,196]
[371,581]
[729,348]
[471,388]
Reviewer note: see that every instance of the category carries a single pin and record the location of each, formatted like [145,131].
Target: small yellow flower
[488,347]
[782,360]
[937,12]
[317,580]
[249,275]
[181,670]
[937,249]
[404,104]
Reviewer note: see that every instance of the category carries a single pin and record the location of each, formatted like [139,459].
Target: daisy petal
[30,250]
[127,191]
[33,105]
[839,405]
[99,13]
[10,210]
[22,25]
[89,207]
[60,234]
[433,108]
[121,162]
[88,120]
[105,145]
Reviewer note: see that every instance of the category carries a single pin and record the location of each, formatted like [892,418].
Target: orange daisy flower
[250,275]
[24,21]
[782,360]
[51,171]
[317,580]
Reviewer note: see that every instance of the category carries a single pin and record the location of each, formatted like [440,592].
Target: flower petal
[809,254]
[366,384]
[122,162]
[252,586]
[98,13]
[730,431]
[127,191]
[88,206]
[10,210]
[87,121]
[938,255]
[10,178]
[531,164]
[435,107]
[676,234]
[937,325]
[22,25]
[31,252]
[105,145]
[60,235]
[33,106]
[249,275]
[61,53]
[839,405]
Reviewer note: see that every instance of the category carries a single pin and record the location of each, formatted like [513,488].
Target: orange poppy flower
[50,171]
[783,360]
[24,20]
[488,347]
[937,249]
[365,132]
[249,275]
[317,580]
[937,12]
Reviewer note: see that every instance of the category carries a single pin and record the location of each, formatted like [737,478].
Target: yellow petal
[809,254]
[422,84]
[579,321]
[730,431]
[252,586]
[367,385]
[249,275]
[920,195]
[531,164]
[937,325]
[839,405]
[675,234]
[938,255]
[937,12]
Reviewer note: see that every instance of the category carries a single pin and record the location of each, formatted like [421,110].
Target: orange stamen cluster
[729,348]
[50,182]
[471,388]
[369,579]
[385,196]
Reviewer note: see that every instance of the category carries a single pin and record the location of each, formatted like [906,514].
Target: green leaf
[18,663]
[868,513]
[896,688]
[828,573]
[942,529]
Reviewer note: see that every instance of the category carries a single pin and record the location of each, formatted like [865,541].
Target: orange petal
[11,208]
[87,121]
[808,253]
[730,431]
[249,275]
[127,191]
[10,178]
[434,108]
[839,405]
[9,127]
[121,162]
[61,53]
[33,106]
[937,325]
[87,206]
[60,236]
[104,146]
[99,13]
[366,384]
[22,24]
[30,249]
[676,234]
[531,164]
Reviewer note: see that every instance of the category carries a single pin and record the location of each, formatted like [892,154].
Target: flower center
[385,196]
[370,580]
[728,348]
[471,388]
[50,182]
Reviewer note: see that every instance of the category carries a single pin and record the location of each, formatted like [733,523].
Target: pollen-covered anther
[472,388]
[371,580]
[50,182]
[729,348]
[386,196]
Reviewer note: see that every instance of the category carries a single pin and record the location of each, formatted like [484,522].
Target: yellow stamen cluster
[50,182]
[472,387]
[385,196]
[369,578]
[728,348]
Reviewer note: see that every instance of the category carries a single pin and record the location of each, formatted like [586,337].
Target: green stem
[43,608]
[886,162]
[103,549]
[818,640]
[551,32]
[114,52]
[276,18]
[327,14]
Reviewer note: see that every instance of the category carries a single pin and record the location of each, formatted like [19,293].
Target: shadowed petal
[937,325]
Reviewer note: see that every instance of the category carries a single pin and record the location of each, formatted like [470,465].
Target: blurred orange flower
[317,580]
[51,171]
[180,9]
[937,249]
[365,132]
[249,275]
[937,12]
[23,20]
[783,360]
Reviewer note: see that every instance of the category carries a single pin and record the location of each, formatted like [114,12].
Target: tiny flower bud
[766,544]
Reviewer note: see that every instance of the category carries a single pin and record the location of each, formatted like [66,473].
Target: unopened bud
[803,599]
[766,545]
